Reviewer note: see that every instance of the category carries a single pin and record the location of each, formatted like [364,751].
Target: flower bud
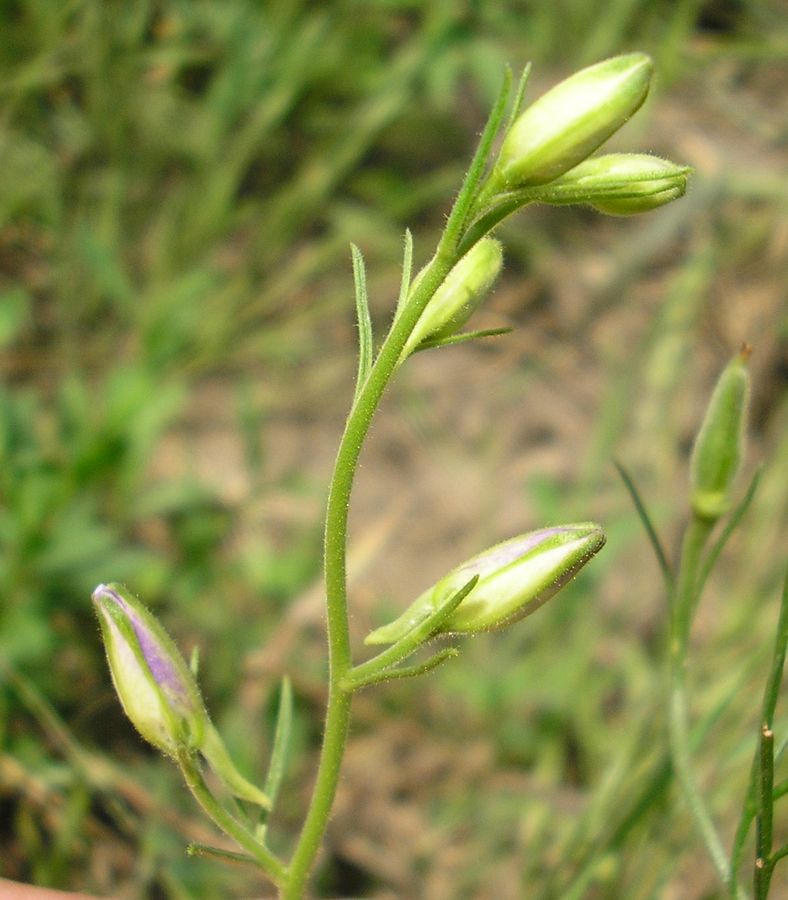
[569,122]
[157,689]
[515,578]
[153,682]
[620,184]
[719,446]
[463,289]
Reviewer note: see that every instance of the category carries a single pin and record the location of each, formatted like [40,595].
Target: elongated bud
[158,690]
[569,122]
[515,579]
[461,292]
[153,682]
[719,446]
[620,184]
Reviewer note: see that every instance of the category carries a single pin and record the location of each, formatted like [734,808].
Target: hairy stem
[335,550]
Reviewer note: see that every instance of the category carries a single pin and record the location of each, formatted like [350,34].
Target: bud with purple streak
[515,578]
[158,690]
[153,682]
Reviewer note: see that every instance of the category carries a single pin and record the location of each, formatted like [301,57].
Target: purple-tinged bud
[152,680]
[569,122]
[158,690]
[515,578]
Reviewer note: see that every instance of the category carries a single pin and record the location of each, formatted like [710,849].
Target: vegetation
[180,186]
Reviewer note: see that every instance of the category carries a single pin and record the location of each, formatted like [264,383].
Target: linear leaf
[518,98]
[648,525]
[363,318]
[730,526]
[462,338]
[407,269]
[282,730]
[422,668]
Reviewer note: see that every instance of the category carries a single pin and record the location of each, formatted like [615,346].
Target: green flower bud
[620,184]
[460,293]
[515,578]
[719,446]
[157,689]
[569,122]
[153,682]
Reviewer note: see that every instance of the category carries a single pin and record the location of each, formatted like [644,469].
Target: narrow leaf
[730,526]
[204,850]
[462,338]
[455,225]
[648,525]
[421,632]
[409,671]
[407,270]
[518,97]
[364,320]
[284,722]
[281,743]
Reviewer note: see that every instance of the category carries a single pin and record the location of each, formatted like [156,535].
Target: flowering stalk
[549,140]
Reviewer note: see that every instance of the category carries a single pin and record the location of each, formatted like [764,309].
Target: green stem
[230,825]
[684,601]
[335,549]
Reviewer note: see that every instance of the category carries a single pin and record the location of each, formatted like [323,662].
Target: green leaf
[422,668]
[364,320]
[640,507]
[407,269]
[276,766]
[461,338]
[730,526]
[408,642]
[518,97]
[455,229]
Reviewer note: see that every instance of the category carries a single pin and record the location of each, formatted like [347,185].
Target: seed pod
[515,578]
[569,122]
[719,446]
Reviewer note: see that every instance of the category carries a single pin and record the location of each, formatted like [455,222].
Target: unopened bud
[620,184]
[460,293]
[569,122]
[719,446]
[153,682]
[515,578]
[158,690]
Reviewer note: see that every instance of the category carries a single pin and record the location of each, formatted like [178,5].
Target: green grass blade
[648,525]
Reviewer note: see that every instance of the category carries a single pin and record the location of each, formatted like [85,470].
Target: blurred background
[179,184]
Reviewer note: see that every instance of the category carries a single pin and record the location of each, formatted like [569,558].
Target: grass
[178,189]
